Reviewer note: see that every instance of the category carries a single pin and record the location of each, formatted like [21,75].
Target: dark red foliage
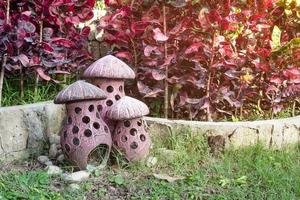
[219,53]
[41,36]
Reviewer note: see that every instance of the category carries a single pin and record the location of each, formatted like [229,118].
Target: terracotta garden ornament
[84,132]
[109,74]
[130,135]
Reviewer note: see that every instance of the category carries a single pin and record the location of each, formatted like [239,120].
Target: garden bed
[247,173]
[25,129]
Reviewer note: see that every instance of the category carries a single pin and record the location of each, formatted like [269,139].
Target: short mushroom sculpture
[109,73]
[84,132]
[130,135]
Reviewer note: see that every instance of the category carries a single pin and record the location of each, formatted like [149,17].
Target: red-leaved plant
[208,59]
[41,37]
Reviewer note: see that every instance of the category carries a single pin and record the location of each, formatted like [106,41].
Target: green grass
[11,91]
[247,173]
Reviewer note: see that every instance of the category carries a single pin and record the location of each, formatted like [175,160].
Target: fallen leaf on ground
[168,178]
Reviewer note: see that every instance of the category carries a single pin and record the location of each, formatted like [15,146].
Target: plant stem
[2,76]
[37,78]
[134,54]
[167,67]
[132,4]
[4,60]
[293,110]
[21,79]
[7,11]
[208,114]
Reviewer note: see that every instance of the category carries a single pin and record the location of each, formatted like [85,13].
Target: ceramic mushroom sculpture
[130,135]
[84,131]
[109,73]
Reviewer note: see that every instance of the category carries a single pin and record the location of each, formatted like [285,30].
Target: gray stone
[76,176]
[59,151]
[61,158]
[52,151]
[43,159]
[49,163]
[54,139]
[167,154]
[151,161]
[73,187]
[24,128]
[244,136]
[53,170]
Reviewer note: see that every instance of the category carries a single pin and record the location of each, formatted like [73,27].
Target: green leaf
[97,172]
[276,36]
[242,180]
[294,43]
[90,168]
[119,180]
[225,181]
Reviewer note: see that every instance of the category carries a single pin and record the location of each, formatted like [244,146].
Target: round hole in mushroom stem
[117,97]
[99,108]
[87,133]
[134,145]
[65,134]
[124,138]
[67,148]
[91,108]
[110,89]
[76,141]
[75,129]
[142,137]
[133,131]
[96,125]
[86,119]
[105,129]
[121,88]
[69,120]
[109,102]
[139,123]
[78,110]
[98,115]
[119,131]
[127,123]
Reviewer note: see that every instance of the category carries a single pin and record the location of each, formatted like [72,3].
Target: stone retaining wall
[24,130]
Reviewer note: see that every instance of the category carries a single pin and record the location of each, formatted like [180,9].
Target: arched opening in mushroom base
[99,155]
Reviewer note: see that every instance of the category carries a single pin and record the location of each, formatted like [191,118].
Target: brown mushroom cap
[128,108]
[80,90]
[109,67]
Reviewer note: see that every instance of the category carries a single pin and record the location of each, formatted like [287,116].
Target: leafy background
[210,60]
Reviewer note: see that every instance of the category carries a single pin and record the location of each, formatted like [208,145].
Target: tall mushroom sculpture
[130,135]
[109,73]
[85,131]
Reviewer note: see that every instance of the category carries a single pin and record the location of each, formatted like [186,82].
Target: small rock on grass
[59,151]
[53,170]
[53,151]
[54,139]
[60,158]
[43,159]
[73,187]
[168,178]
[76,176]
[49,163]
[151,161]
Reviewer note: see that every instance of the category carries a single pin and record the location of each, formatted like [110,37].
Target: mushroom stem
[130,136]
[84,131]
